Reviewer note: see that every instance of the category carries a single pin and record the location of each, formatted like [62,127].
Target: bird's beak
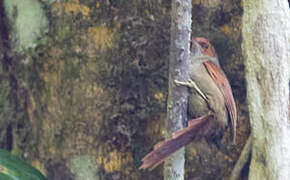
[195,47]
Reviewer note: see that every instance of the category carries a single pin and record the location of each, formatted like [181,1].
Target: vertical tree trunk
[266,50]
[178,69]
[84,84]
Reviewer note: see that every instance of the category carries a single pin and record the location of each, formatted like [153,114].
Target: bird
[211,105]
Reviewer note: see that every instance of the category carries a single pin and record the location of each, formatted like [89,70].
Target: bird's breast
[215,103]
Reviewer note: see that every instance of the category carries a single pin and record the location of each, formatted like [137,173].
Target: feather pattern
[196,129]
[224,86]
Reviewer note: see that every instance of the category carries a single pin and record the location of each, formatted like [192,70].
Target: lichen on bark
[266,50]
[95,85]
[29,22]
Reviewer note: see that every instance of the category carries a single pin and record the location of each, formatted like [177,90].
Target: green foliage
[14,168]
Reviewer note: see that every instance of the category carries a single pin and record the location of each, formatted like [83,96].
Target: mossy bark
[7,99]
[91,89]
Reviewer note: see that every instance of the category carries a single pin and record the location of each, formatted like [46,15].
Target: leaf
[14,168]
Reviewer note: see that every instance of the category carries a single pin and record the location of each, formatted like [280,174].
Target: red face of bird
[201,47]
[207,48]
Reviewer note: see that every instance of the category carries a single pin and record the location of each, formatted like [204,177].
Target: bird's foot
[191,84]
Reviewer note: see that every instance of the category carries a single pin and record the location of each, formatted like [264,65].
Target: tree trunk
[84,84]
[178,70]
[266,50]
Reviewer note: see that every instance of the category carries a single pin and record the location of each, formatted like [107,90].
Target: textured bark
[178,70]
[87,98]
[8,99]
[266,37]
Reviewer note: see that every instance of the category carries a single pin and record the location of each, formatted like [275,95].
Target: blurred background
[84,85]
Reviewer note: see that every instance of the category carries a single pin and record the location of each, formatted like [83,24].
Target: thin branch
[178,70]
[244,158]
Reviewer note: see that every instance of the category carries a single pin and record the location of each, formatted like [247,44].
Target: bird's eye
[204,45]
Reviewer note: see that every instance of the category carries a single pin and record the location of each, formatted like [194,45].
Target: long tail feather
[195,129]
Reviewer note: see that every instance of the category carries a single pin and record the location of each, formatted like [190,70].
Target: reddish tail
[195,129]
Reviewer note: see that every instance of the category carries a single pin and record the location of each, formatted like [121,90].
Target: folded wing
[224,86]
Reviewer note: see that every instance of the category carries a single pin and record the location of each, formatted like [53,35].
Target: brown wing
[224,86]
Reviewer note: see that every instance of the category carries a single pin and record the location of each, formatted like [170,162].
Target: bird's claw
[191,84]
[181,83]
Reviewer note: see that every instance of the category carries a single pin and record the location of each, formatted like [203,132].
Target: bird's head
[201,47]
[206,47]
